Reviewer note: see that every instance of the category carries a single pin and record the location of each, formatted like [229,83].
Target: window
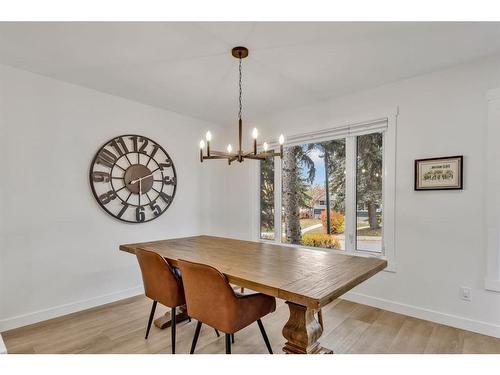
[313,191]
[369,192]
[267,199]
[330,190]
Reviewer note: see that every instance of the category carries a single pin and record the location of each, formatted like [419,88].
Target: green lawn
[304,223]
[363,228]
[317,230]
[369,232]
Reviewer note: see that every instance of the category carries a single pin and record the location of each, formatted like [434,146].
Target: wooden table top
[307,277]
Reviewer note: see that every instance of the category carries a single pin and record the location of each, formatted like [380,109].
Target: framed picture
[439,173]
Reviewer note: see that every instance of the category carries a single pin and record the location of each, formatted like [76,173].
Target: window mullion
[350,194]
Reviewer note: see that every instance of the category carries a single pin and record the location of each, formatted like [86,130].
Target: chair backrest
[160,282]
[209,297]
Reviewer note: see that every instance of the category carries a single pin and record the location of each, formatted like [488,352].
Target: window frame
[385,124]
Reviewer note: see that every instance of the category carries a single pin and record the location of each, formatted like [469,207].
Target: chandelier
[239,155]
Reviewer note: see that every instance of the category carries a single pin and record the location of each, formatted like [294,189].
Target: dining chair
[211,300]
[162,284]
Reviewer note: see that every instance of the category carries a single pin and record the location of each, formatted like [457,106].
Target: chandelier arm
[265,154]
[223,153]
[255,157]
[215,157]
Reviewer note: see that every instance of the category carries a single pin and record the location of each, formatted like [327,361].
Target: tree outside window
[313,194]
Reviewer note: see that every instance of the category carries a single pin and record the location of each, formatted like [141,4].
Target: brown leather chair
[211,300]
[161,284]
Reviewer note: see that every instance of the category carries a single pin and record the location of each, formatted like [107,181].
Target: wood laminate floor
[349,328]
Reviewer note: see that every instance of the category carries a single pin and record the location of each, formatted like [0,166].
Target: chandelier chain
[240,94]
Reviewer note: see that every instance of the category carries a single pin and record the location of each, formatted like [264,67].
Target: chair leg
[217,332]
[195,338]
[174,323]
[228,343]
[151,316]
[232,338]
[264,335]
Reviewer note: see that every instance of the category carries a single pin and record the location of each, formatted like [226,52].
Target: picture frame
[443,173]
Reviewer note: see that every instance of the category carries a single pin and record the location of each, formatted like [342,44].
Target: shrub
[320,240]
[336,221]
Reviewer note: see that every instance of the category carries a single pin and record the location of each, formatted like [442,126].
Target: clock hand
[140,192]
[140,179]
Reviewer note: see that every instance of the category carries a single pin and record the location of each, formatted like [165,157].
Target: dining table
[306,279]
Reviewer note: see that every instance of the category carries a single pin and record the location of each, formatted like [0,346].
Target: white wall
[492,193]
[440,235]
[58,248]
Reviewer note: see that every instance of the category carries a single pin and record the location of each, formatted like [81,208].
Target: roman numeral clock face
[133,178]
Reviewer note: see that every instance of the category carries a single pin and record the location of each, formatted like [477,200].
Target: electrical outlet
[465,293]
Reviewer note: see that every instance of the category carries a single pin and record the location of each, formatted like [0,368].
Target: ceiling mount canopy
[239,53]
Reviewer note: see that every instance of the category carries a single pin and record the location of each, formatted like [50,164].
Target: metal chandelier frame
[240,155]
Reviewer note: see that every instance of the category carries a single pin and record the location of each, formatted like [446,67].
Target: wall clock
[133,178]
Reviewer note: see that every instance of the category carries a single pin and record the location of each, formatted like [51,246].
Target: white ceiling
[187,67]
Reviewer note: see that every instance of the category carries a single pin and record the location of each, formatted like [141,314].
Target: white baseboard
[54,312]
[3,349]
[484,328]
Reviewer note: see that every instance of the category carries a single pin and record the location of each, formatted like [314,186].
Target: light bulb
[255,133]
[209,136]
[229,148]
[202,143]
[363,170]
[266,146]
[281,139]
[376,174]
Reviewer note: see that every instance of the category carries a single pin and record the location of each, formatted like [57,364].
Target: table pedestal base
[302,331]
[165,321]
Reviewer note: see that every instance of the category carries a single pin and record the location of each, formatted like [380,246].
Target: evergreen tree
[369,176]
[267,195]
[296,161]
